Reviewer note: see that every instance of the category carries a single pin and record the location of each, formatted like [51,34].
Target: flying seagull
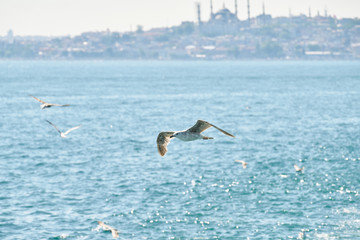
[298,169]
[63,134]
[105,227]
[48,105]
[244,164]
[190,134]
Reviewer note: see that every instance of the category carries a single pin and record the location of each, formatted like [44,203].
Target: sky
[72,17]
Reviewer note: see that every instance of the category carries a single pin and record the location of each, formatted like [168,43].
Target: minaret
[263,21]
[211,10]
[248,7]
[325,11]
[263,8]
[198,13]
[309,12]
[290,15]
[10,36]
[236,9]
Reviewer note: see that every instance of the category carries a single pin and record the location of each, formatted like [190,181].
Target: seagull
[190,134]
[63,135]
[301,235]
[105,227]
[48,105]
[298,169]
[244,164]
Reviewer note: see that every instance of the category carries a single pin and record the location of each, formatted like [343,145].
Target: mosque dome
[224,16]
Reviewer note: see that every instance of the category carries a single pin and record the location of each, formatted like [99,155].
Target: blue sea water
[282,113]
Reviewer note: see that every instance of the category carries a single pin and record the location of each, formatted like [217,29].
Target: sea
[283,113]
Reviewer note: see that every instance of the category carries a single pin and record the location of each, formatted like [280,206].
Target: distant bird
[284,176]
[301,235]
[191,134]
[48,105]
[63,135]
[298,169]
[244,164]
[105,227]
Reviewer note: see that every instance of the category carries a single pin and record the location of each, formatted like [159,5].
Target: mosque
[225,22]
[222,22]
[224,16]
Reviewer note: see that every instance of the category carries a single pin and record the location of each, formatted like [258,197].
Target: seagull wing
[103,225]
[162,141]
[71,129]
[298,169]
[114,232]
[202,125]
[242,162]
[54,126]
[38,99]
[59,105]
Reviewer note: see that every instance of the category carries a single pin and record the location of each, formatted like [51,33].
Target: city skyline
[57,18]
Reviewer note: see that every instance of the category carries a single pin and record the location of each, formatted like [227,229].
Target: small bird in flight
[48,105]
[63,134]
[190,134]
[105,227]
[244,164]
[298,169]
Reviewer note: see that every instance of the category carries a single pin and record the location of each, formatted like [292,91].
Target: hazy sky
[63,17]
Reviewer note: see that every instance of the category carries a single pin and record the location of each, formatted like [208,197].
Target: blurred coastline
[221,37]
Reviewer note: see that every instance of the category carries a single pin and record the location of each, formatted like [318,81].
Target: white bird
[191,134]
[105,227]
[48,105]
[63,134]
[301,235]
[298,169]
[244,164]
